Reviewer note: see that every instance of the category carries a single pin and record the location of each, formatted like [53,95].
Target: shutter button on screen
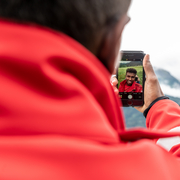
[129,102]
[130,96]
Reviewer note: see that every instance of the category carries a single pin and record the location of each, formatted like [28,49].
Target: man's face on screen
[130,78]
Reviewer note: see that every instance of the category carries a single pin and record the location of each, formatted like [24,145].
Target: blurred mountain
[134,118]
[166,78]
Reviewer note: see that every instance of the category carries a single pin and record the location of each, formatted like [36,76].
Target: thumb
[148,67]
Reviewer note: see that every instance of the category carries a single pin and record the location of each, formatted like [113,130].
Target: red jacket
[135,87]
[60,118]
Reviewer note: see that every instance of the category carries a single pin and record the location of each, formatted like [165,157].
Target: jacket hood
[54,85]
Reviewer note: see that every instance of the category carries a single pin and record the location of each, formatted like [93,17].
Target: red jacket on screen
[135,87]
[60,118]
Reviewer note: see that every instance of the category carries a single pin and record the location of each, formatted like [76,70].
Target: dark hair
[80,19]
[131,70]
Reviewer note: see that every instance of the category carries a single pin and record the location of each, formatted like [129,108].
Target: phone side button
[129,102]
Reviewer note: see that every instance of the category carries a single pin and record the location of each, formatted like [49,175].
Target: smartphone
[131,77]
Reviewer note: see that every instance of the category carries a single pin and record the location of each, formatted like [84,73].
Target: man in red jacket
[59,115]
[129,84]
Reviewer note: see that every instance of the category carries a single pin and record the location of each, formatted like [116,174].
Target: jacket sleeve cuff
[163,115]
[156,100]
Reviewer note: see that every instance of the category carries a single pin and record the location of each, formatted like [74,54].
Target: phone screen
[131,80]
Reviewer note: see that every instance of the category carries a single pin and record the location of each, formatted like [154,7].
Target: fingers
[114,83]
[116,91]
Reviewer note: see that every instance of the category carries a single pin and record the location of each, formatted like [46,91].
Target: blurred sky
[155,29]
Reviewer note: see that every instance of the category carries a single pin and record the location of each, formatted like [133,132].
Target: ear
[110,45]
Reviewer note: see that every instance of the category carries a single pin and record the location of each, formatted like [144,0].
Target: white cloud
[170,91]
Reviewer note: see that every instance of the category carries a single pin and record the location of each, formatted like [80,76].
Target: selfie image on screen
[130,79]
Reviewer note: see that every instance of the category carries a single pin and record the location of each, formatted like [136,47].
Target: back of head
[80,19]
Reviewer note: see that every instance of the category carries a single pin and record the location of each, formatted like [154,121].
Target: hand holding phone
[152,89]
